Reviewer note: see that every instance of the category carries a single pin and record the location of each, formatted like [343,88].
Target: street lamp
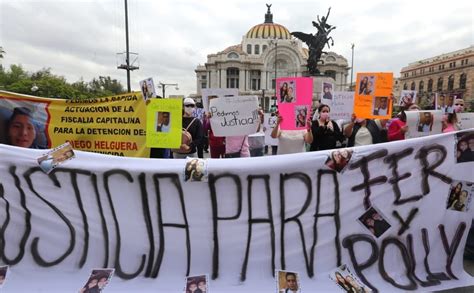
[164,85]
[352,66]
[275,42]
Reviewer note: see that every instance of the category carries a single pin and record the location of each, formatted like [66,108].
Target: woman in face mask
[450,120]
[325,131]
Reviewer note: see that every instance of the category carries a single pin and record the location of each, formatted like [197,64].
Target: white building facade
[267,51]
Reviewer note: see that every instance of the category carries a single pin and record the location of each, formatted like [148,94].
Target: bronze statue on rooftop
[317,42]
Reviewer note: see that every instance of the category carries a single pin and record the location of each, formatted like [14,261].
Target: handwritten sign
[164,123]
[423,123]
[234,116]
[294,98]
[342,105]
[373,95]
[269,123]
[212,93]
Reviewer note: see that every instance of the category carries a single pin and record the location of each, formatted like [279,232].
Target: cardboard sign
[234,116]
[373,95]
[407,97]
[164,123]
[147,86]
[465,120]
[423,123]
[269,123]
[294,99]
[212,93]
[327,93]
[342,106]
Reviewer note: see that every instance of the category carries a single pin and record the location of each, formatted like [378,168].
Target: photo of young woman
[301,112]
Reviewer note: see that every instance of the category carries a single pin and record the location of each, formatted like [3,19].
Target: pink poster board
[294,98]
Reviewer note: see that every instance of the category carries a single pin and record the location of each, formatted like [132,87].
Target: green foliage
[1,52]
[49,85]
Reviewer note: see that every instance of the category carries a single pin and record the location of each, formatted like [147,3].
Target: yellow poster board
[113,125]
[164,123]
[373,95]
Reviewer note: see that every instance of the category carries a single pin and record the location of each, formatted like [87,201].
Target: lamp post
[164,85]
[275,42]
[352,66]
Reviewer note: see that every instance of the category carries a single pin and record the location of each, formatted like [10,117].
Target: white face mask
[188,110]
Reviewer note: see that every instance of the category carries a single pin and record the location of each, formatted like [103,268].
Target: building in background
[450,74]
[266,51]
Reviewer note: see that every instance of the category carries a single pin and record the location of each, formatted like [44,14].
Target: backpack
[186,138]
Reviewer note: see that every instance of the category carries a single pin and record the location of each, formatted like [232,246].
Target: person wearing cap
[194,127]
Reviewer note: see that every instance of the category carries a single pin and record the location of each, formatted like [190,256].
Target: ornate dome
[268,29]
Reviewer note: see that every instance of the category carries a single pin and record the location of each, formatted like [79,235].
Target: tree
[1,52]
[16,79]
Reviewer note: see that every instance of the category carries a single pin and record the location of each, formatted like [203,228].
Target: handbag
[186,138]
[235,154]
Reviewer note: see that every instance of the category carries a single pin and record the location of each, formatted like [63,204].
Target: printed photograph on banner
[374,222]
[163,121]
[381,106]
[147,87]
[464,147]
[287,282]
[327,91]
[287,91]
[407,98]
[460,196]
[425,122]
[301,114]
[339,159]
[197,284]
[366,85]
[55,157]
[195,170]
[97,281]
[347,281]
[449,105]
[24,123]
[3,275]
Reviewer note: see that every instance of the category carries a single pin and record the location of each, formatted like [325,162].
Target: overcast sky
[80,38]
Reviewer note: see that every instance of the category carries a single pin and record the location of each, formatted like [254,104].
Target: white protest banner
[234,116]
[423,123]
[269,123]
[465,120]
[212,93]
[342,105]
[253,216]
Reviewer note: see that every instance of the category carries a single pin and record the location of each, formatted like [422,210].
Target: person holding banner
[216,143]
[21,131]
[361,131]
[292,141]
[193,126]
[326,132]
[398,127]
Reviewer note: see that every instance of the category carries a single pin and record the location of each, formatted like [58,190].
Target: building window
[257,49]
[451,82]
[421,86]
[232,78]
[264,47]
[439,86]
[405,86]
[462,81]
[430,85]
[255,80]
[413,86]
[331,73]
[249,49]
[203,85]
[233,55]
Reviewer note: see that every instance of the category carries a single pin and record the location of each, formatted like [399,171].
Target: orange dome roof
[269,31]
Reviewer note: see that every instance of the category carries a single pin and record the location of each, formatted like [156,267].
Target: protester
[257,140]
[193,127]
[326,132]
[216,143]
[398,127]
[237,144]
[198,112]
[450,120]
[21,131]
[291,141]
[362,131]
